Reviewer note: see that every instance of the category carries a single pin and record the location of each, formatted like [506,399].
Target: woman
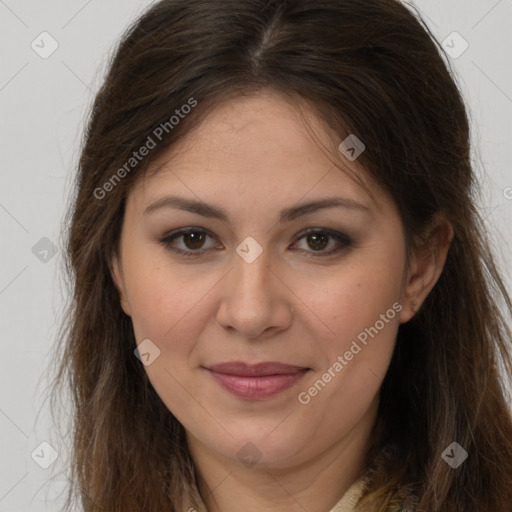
[283,294]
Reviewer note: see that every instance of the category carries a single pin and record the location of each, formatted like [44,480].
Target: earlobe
[425,268]
[118,278]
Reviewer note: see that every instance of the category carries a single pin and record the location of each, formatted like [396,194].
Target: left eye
[318,240]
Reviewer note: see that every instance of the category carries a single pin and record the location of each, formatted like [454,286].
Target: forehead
[250,145]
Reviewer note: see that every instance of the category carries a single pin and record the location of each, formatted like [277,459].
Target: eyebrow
[286,215]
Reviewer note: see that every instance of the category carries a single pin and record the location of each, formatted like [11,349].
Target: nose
[255,299]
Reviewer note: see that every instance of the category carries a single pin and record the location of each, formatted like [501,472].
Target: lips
[241,369]
[256,382]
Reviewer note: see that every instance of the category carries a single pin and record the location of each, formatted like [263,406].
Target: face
[269,284]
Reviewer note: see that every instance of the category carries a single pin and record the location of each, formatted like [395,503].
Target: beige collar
[351,497]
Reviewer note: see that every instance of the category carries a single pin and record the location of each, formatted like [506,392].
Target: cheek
[163,297]
[166,309]
[362,309]
[354,297]
[360,304]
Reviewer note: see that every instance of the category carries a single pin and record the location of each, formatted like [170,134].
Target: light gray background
[43,103]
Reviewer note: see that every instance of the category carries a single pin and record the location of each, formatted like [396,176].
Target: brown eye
[194,239]
[317,241]
[193,242]
[324,242]
[188,242]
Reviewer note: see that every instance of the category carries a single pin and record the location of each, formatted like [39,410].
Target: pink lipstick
[256,382]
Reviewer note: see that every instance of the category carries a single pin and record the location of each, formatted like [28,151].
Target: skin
[254,157]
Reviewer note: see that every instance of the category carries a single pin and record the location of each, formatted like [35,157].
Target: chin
[262,447]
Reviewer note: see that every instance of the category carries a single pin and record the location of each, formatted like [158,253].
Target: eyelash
[342,239]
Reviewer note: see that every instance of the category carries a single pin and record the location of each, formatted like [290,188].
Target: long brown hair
[368,67]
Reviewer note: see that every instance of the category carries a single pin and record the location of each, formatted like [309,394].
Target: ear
[118,278]
[425,266]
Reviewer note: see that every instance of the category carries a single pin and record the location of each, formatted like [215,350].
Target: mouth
[256,382]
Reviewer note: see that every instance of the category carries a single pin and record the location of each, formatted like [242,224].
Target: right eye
[190,241]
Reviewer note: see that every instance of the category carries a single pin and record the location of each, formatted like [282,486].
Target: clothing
[350,498]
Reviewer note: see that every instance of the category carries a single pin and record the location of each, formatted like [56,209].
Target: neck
[317,484]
